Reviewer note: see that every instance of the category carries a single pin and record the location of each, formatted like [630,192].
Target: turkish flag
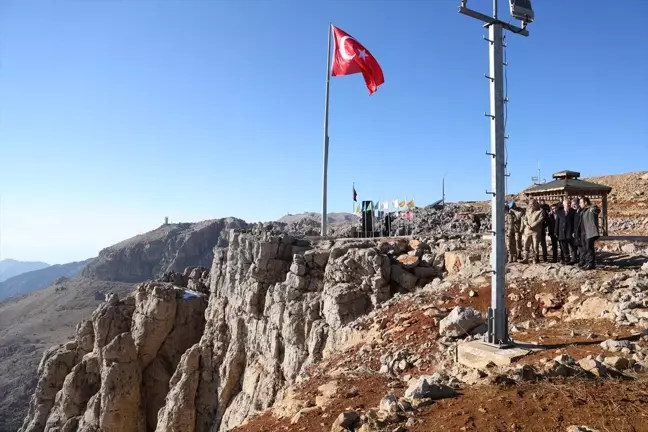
[350,57]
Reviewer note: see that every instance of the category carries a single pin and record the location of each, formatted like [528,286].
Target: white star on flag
[362,54]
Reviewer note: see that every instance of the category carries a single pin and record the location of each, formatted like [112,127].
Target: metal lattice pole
[497,314]
[499,332]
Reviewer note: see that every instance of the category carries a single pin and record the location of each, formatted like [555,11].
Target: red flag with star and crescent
[351,57]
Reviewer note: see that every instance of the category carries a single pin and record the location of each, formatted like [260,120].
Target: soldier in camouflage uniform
[518,216]
[511,222]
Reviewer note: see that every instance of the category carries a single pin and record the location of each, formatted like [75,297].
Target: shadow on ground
[610,259]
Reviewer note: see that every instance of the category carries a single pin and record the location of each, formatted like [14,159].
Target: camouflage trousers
[531,246]
[511,243]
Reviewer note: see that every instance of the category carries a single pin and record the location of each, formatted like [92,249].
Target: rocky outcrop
[276,305]
[115,375]
[171,247]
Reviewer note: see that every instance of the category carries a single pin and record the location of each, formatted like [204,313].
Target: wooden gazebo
[567,185]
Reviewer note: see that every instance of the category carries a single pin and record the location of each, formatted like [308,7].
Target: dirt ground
[604,405]
[549,405]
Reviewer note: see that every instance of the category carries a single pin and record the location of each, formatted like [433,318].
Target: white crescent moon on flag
[343,52]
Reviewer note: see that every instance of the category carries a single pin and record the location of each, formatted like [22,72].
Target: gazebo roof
[568,185]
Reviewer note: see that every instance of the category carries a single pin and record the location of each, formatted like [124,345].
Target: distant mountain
[331,217]
[34,280]
[169,247]
[10,268]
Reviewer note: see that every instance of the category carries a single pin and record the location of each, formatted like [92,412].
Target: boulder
[592,308]
[460,322]
[408,261]
[406,280]
[346,421]
[389,404]
[455,261]
[618,363]
[616,345]
[426,388]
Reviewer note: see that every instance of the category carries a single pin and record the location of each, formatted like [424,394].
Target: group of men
[572,226]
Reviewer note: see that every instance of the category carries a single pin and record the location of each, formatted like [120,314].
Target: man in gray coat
[588,231]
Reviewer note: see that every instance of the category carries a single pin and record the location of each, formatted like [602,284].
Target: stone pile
[421,391]
[450,219]
[623,298]
[625,224]
[311,227]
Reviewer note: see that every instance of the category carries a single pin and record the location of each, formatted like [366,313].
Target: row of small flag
[384,205]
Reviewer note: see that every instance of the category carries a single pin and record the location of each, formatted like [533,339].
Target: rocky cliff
[115,374]
[171,247]
[276,305]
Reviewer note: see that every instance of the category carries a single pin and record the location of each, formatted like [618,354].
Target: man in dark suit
[565,231]
[589,232]
[546,210]
[553,232]
[576,239]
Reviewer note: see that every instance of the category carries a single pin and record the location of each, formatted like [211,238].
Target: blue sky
[116,113]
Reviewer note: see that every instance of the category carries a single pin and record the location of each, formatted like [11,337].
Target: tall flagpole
[353,201]
[326,138]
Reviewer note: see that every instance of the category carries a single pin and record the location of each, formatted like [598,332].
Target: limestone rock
[592,308]
[179,412]
[408,261]
[79,386]
[455,261]
[120,393]
[117,380]
[426,387]
[389,404]
[346,421]
[404,279]
[56,363]
[460,322]
[618,363]
[84,337]
[593,366]
[204,360]
[153,319]
[616,345]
